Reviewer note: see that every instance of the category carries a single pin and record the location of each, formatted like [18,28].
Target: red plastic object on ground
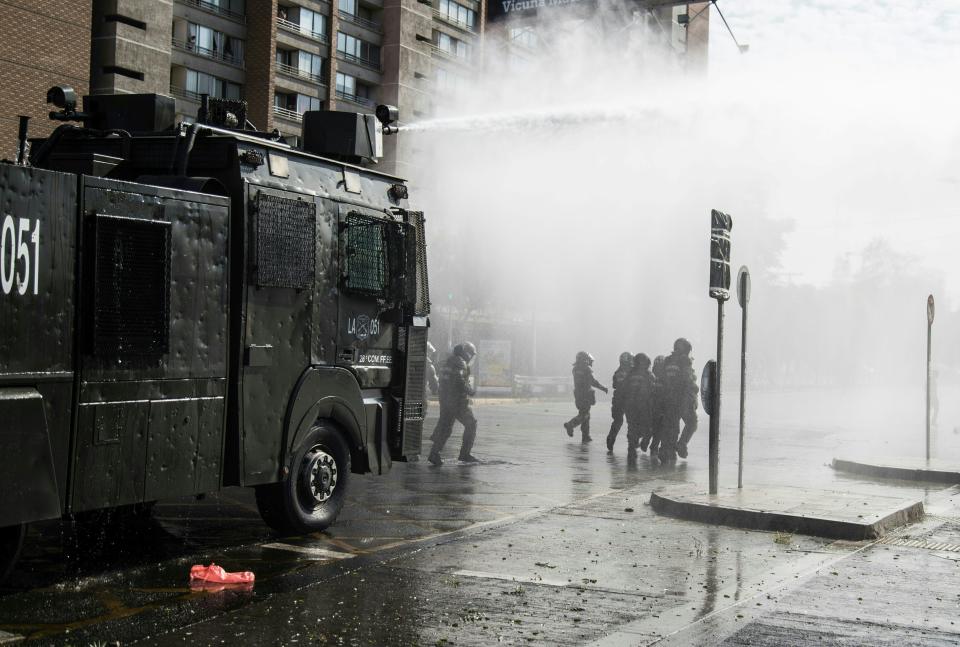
[214,578]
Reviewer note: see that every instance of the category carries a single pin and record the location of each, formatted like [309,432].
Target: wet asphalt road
[548,541]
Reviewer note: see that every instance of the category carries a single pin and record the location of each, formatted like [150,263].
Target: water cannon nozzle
[387,115]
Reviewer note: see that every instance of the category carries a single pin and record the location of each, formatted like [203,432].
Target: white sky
[885,73]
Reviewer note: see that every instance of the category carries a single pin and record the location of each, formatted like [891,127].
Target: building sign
[497,9]
[494,363]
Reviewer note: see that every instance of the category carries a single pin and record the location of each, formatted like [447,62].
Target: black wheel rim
[319,475]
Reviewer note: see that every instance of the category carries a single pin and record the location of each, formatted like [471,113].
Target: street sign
[708,381]
[720,226]
[931,309]
[743,286]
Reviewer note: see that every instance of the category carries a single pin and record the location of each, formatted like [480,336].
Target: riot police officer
[616,404]
[456,388]
[638,404]
[680,401]
[658,408]
[584,396]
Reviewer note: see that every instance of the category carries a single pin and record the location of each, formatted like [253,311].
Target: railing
[290,70]
[363,22]
[453,21]
[286,113]
[215,8]
[373,65]
[193,48]
[184,94]
[297,29]
[450,56]
[363,101]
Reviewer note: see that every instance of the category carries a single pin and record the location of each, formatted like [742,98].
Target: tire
[311,498]
[11,542]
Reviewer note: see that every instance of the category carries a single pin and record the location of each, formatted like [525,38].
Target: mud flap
[28,479]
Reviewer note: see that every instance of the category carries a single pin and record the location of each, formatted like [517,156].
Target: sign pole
[743,296]
[930,315]
[720,226]
[715,414]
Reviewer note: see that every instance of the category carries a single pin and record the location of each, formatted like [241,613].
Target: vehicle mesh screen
[285,242]
[365,258]
[418,287]
[415,385]
[131,307]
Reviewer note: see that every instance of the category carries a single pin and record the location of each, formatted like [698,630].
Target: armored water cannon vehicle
[188,307]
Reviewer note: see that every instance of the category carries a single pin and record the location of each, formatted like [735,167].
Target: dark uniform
[658,407]
[455,392]
[680,402]
[616,404]
[584,396]
[639,389]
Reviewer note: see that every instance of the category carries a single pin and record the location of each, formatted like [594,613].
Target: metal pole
[929,335]
[743,387]
[715,418]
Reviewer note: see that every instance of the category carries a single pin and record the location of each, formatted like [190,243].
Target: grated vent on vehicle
[365,258]
[131,307]
[418,290]
[415,385]
[285,242]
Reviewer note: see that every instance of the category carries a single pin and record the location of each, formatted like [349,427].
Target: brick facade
[42,43]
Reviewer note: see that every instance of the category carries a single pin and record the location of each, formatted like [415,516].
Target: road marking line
[314,552]
[525,579]
[8,638]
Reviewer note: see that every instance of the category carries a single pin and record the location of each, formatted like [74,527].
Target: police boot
[435,459]
[468,458]
[569,429]
[682,450]
[610,440]
[643,444]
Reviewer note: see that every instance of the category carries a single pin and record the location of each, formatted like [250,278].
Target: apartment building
[514,27]
[42,43]
[284,57]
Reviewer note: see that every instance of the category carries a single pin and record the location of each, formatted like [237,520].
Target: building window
[354,48]
[214,44]
[458,13]
[452,46]
[346,85]
[313,22]
[202,83]
[305,103]
[310,64]
[348,6]
[524,36]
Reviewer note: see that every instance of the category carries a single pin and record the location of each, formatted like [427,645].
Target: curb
[785,522]
[894,472]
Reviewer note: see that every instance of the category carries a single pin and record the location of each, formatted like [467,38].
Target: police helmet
[626,358]
[583,357]
[641,361]
[682,347]
[466,351]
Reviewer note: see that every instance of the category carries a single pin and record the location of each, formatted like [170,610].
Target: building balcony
[363,22]
[356,60]
[360,101]
[462,26]
[286,113]
[296,72]
[448,56]
[294,28]
[182,93]
[193,48]
[213,8]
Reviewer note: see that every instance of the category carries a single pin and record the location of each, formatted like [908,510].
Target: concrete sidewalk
[822,513]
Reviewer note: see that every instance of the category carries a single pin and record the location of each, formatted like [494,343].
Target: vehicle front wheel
[310,499]
[11,541]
